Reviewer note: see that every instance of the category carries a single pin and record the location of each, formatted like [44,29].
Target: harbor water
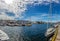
[36,32]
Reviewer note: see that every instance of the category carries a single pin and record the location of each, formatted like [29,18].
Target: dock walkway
[58,35]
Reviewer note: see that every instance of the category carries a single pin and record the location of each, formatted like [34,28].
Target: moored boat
[50,31]
[3,36]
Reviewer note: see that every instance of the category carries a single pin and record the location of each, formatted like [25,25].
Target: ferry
[3,36]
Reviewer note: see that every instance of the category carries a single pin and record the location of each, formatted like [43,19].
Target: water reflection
[32,33]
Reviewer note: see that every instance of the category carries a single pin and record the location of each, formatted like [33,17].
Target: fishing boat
[3,36]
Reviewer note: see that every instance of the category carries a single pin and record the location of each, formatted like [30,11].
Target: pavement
[58,35]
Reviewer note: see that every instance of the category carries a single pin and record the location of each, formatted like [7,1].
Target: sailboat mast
[50,10]
[50,13]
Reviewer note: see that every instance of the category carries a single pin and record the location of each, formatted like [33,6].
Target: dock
[58,34]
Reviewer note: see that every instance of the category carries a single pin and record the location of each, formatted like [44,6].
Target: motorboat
[3,36]
[50,31]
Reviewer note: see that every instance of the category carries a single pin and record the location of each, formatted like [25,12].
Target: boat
[3,36]
[56,25]
[50,32]
[28,24]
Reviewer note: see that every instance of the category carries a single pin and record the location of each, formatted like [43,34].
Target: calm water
[32,33]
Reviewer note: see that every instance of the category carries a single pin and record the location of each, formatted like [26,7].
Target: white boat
[56,25]
[50,31]
[3,35]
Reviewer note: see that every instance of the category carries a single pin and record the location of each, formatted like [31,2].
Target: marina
[30,20]
[31,33]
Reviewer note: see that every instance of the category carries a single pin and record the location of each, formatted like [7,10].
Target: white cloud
[42,15]
[33,18]
[57,1]
[45,17]
[3,16]
[19,6]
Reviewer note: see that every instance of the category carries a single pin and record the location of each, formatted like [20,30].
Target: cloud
[33,18]
[3,16]
[20,6]
[45,17]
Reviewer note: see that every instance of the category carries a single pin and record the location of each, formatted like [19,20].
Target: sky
[34,10]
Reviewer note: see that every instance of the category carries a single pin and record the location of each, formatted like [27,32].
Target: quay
[56,36]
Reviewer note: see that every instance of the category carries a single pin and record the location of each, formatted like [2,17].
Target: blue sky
[41,12]
[34,11]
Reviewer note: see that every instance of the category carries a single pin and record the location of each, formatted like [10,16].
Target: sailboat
[3,36]
[50,31]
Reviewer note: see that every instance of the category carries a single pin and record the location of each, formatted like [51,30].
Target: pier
[56,36]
